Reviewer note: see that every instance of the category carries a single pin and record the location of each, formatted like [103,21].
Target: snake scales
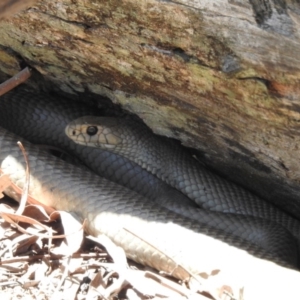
[266,231]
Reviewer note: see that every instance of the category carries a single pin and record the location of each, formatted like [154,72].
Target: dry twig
[16,80]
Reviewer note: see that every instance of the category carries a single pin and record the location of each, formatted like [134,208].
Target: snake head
[91,131]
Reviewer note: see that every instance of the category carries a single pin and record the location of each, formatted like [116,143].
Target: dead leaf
[15,219]
[119,267]
[73,233]
[37,212]
[23,243]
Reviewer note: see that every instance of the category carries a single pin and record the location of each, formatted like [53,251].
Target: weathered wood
[221,76]
[10,7]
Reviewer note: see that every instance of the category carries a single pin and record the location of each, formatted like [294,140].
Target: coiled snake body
[122,151]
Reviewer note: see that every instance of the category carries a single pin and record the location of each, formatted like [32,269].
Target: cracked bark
[221,76]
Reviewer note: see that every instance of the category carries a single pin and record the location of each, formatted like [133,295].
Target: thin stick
[11,83]
[27,179]
[51,257]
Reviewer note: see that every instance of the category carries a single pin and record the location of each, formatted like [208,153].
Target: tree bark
[220,76]
[10,7]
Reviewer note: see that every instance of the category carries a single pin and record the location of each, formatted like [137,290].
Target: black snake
[123,151]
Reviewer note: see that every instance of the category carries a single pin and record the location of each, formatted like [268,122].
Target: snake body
[40,120]
[125,216]
[171,163]
[54,181]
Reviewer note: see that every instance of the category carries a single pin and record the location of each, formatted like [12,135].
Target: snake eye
[91,130]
